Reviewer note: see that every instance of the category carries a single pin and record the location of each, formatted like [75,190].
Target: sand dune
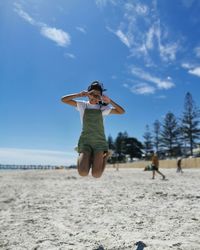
[57,209]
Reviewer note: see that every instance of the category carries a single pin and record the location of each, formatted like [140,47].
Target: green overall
[92,138]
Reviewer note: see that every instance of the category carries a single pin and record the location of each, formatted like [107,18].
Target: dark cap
[96,85]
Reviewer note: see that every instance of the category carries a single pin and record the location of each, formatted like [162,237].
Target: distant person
[116,165]
[115,160]
[154,167]
[92,144]
[179,165]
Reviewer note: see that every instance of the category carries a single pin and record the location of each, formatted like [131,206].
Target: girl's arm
[68,99]
[116,108]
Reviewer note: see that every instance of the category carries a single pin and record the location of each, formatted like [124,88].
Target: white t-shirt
[82,105]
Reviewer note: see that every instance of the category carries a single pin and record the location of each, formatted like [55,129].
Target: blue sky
[147,54]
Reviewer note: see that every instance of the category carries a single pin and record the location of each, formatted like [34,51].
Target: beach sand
[57,209]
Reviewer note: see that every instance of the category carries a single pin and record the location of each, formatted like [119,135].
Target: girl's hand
[83,94]
[105,99]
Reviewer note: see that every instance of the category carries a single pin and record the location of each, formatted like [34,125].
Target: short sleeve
[80,106]
[106,111]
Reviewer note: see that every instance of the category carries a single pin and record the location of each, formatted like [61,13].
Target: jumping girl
[92,144]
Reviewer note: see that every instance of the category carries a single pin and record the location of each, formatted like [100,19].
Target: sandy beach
[57,209]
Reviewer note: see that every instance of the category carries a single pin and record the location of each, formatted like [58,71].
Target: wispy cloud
[141,9]
[124,39]
[23,14]
[57,35]
[197,51]
[187,65]
[140,30]
[34,156]
[70,55]
[195,71]
[103,3]
[168,51]
[154,39]
[192,69]
[161,97]
[160,83]
[81,29]
[141,88]
[60,37]
[132,7]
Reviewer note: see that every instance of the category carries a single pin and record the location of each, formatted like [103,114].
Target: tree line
[172,137]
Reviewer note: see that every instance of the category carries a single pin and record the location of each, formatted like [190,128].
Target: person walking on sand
[92,144]
[179,165]
[155,166]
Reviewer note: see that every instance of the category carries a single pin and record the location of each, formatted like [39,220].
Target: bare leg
[84,163]
[153,172]
[163,176]
[99,162]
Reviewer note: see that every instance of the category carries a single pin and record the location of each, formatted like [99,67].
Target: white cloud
[187,65]
[142,89]
[149,39]
[37,157]
[195,71]
[23,14]
[103,3]
[134,7]
[192,69]
[161,97]
[160,83]
[156,35]
[140,30]
[197,52]
[60,37]
[57,35]
[168,51]
[141,9]
[70,55]
[124,39]
[141,50]
[81,29]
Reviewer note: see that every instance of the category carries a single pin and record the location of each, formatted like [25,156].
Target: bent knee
[97,174]
[83,172]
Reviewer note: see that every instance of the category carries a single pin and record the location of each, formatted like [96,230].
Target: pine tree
[170,133]
[133,147]
[110,143]
[190,122]
[157,131]
[120,144]
[148,144]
